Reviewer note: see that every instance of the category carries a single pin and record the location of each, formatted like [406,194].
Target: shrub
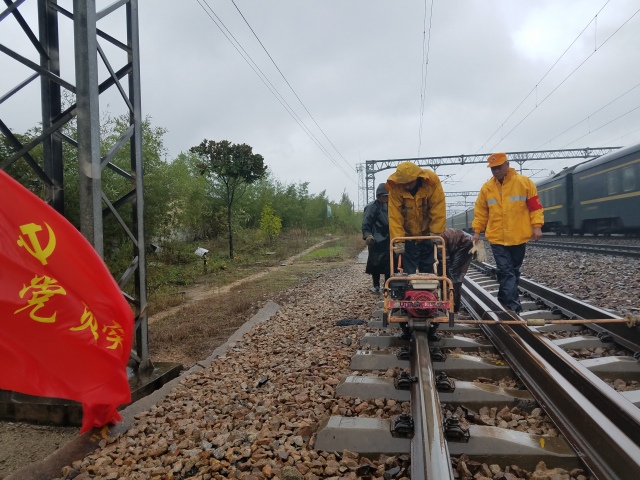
[270,223]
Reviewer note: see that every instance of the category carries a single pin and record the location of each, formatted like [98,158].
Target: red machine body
[421,296]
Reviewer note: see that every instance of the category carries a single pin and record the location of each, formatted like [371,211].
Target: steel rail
[430,458]
[575,309]
[601,425]
[620,332]
[613,250]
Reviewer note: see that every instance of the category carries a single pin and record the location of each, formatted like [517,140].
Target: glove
[478,250]
[399,248]
[369,240]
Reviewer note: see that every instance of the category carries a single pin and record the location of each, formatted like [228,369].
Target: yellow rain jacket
[508,211]
[412,216]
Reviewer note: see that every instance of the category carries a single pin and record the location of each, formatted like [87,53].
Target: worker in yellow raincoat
[416,208]
[509,211]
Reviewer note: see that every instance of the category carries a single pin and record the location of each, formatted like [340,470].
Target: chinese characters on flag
[65,328]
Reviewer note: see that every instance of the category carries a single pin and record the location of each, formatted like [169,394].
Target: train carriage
[555,195]
[606,193]
[461,221]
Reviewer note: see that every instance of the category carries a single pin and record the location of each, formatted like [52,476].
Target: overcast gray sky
[502,75]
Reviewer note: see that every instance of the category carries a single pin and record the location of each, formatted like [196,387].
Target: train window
[613,183]
[628,179]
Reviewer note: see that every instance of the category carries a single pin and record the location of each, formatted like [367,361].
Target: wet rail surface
[599,427]
[618,250]
[602,424]
[615,246]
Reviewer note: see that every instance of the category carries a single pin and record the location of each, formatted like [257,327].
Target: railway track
[598,428]
[618,250]
[481,419]
[588,412]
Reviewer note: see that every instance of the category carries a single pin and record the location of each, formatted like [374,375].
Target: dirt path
[201,292]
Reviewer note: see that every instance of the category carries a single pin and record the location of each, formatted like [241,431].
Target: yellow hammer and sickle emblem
[37,251]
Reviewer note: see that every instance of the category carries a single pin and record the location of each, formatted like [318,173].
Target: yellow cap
[496,159]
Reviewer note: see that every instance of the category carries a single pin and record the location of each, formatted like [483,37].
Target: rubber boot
[457,296]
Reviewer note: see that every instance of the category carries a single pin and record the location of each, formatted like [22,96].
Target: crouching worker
[460,251]
[416,208]
[375,232]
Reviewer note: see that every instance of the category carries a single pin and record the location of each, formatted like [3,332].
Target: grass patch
[326,254]
[176,268]
[341,249]
[195,330]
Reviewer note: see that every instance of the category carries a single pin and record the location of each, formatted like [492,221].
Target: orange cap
[496,159]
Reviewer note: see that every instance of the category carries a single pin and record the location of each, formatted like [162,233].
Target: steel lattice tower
[89,58]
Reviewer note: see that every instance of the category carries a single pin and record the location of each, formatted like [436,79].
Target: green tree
[344,217]
[270,223]
[231,168]
[316,213]
[259,194]
[21,170]
[159,186]
[191,208]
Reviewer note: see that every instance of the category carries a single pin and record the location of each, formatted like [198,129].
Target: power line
[568,76]
[622,136]
[602,126]
[287,82]
[541,79]
[535,88]
[425,71]
[589,116]
[274,90]
[247,58]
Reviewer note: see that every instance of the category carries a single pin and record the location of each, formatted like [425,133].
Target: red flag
[66,329]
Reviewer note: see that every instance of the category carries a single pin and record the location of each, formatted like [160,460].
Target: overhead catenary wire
[596,49]
[594,113]
[610,141]
[598,128]
[598,43]
[258,71]
[590,130]
[534,89]
[541,79]
[589,116]
[288,84]
[426,45]
[602,126]
[620,137]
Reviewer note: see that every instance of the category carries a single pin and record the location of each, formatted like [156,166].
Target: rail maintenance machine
[419,300]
